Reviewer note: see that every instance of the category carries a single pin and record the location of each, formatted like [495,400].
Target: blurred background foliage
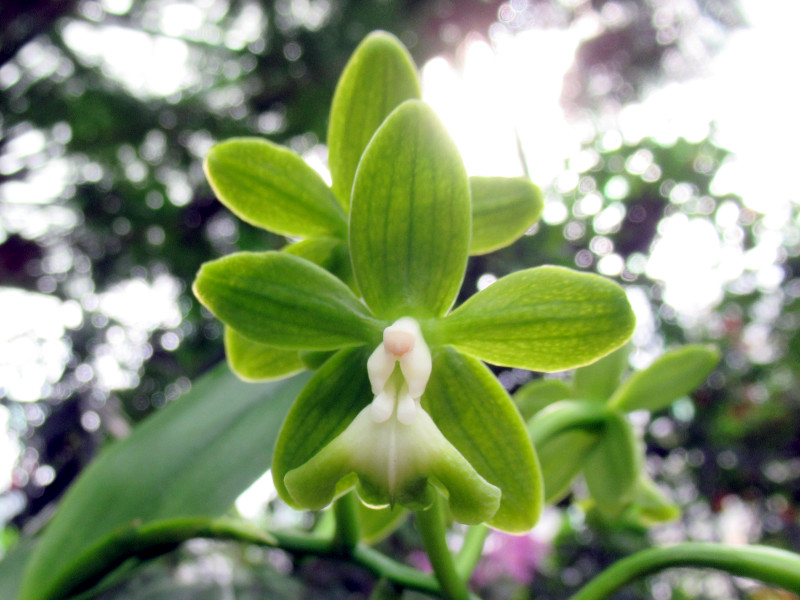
[105,217]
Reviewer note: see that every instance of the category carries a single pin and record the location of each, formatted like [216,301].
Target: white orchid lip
[399,393]
[393,446]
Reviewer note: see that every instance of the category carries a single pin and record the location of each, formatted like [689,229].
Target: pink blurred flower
[507,556]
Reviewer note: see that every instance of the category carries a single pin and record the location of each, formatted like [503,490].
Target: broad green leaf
[503,209]
[284,301]
[562,458]
[613,466]
[12,566]
[252,361]
[410,217]
[333,397]
[598,380]
[331,254]
[192,458]
[476,415]
[542,319]
[378,78]
[270,186]
[668,378]
[535,395]
[375,524]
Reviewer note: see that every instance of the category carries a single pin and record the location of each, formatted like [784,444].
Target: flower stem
[345,512]
[432,528]
[385,590]
[770,565]
[471,550]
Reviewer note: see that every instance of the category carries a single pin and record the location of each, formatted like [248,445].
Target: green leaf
[270,186]
[252,361]
[562,457]
[192,458]
[598,380]
[284,301]
[613,466]
[410,217]
[333,397]
[12,566]
[502,210]
[542,319]
[476,415]
[378,78]
[535,395]
[668,378]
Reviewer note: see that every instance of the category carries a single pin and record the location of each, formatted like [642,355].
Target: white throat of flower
[402,344]
[393,446]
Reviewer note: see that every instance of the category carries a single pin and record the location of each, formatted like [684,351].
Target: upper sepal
[379,76]
[410,217]
[598,380]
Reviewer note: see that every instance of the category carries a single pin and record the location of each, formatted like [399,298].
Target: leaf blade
[193,458]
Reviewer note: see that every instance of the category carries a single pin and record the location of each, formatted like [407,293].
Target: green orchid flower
[405,409]
[580,426]
[271,187]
